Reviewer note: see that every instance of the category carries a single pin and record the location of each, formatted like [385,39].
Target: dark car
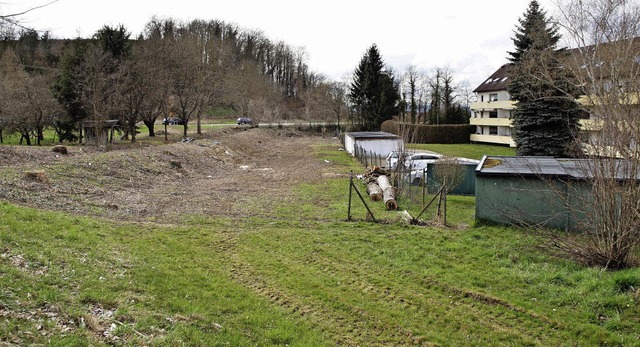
[244,120]
[172,121]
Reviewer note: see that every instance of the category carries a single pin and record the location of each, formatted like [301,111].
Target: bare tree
[189,76]
[14,81]
[248,91]
[465,91]
[14,19]
[132,89]
[411,81]
[605,66]
[154,53]
[27,104]
[449,172]
[338,100]
[96,82]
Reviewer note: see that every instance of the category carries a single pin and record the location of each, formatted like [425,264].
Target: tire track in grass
[396,309]
[347,326]
[507,318]
[428,299]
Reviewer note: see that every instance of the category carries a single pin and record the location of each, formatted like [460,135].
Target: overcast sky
[470,36]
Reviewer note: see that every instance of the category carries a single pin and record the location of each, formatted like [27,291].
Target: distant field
[471,151]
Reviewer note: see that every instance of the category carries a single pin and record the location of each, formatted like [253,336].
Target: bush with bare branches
[606,67]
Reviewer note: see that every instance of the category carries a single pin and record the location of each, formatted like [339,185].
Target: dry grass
[214,175]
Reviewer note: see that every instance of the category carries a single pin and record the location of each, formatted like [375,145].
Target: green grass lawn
[467,150]
[50,138]
[303,277]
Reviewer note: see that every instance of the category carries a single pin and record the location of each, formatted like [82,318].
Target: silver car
[417,165]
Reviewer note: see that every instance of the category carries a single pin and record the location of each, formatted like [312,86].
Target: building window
[493,130]
[493,97]
[493,114]
[481,98]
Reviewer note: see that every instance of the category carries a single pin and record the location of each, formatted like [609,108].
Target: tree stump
[36,175]
[60,149]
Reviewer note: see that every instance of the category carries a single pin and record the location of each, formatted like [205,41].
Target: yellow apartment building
[491,113]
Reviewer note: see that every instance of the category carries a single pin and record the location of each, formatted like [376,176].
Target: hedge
[426,133]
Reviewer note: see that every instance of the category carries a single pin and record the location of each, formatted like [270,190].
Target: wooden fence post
[350,188]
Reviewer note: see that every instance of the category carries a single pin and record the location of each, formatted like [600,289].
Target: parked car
[420,160]
[394,157]
[417,165]
[172,121]
[244,120]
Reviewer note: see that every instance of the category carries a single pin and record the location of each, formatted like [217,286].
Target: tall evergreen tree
[67,90]
[533,25]
[374,91]
[546,118]
[114,41]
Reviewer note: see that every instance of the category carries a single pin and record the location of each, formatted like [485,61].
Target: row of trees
[377,94]
[434,98]
[173,68]
[183,69]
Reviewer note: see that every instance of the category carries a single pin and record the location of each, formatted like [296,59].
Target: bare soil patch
[227,172]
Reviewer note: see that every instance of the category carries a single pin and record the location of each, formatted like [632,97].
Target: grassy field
[467,150]
[301,277]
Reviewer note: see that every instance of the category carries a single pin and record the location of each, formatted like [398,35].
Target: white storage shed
[378,142]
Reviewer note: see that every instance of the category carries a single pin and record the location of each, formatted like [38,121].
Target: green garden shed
[538,191]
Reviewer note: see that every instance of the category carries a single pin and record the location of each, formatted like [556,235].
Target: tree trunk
[150,126]
[374,191]
[199,125]
[388,193]
[25,137]
[133,135]
[40,136]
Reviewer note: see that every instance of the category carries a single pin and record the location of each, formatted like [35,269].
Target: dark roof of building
[372,135]
[570,168]
[593,57]
[499,80]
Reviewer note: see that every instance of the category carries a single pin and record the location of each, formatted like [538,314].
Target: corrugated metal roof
[372,135]
[559,167]
[584,168]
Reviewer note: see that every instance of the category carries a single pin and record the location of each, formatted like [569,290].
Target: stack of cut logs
[380,188]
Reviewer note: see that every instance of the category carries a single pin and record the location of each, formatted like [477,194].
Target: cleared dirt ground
[223,172]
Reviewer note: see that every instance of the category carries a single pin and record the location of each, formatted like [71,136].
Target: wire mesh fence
[415,187]
[369,158]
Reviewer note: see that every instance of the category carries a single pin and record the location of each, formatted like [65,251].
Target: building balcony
[495,139]
[493,105]
[585,124]
[496,122]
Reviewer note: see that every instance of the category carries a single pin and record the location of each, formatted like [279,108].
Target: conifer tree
[546,118]
[533,25]
[374,91]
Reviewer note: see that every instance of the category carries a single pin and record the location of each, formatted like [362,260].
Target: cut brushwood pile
[379,187]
